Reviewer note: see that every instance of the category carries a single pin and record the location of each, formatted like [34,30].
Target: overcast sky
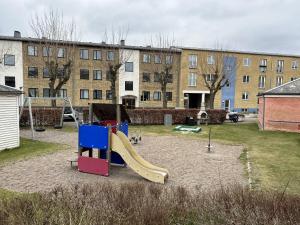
[251,25]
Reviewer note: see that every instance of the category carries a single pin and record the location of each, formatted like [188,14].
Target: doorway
[227,105]
[195,101]
[128,103]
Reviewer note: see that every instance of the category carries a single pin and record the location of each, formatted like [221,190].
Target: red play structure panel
[93,165]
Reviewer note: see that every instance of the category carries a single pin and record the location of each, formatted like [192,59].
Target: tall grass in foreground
[137,204]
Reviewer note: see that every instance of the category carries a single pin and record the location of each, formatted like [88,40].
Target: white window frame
[146,58]
[246,61]
[247,79]
[262,81]
[210,60]
[245,96]
[294,65]
[193,61]
[192,80]
[279,80]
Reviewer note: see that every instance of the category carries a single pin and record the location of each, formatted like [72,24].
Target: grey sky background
[250,25]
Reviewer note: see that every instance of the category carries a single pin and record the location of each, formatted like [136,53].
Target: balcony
[262,68]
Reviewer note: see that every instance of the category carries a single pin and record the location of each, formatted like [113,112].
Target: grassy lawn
[275,156]
[29,148]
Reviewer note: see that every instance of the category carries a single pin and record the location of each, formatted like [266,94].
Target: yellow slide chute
[123,147]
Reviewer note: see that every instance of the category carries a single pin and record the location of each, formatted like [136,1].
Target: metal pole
[91,114]
[62,114]
[108,152]
[30,116]
[118,112]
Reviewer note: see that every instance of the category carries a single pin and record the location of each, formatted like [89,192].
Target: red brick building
[279,108]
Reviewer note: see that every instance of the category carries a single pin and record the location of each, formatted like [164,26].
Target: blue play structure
[98,137]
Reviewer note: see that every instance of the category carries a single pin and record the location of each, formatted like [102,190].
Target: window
[47,51]
[169,59]
[146,58]
[210,60]
[32,50]
[157,77]
[146,77]
[246,79]
[61,53]
[60,72]
[128,66]
[32,72]
[263,65]
[110,56]
[84,94]
[261,81]
[157,95]
[32,92]
[97,94]
[10,81]
[97,75]
[170,78]
[280,65]
[62,93]
[128,85]
[295,65]
[97,55]
[246,62]
[192,61]
[245,96]
[46,73]
[192,80]
[210,77]
[157,59]
[169,96]
[108,95]
[279,80]
[9,60]
[145,96]
[244,110]
[84,74]
[84,53]
[46,92]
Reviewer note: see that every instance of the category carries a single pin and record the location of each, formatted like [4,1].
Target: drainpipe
[264,110]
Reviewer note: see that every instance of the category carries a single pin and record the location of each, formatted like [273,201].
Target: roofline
[92,44]
[287,94]
[240,52]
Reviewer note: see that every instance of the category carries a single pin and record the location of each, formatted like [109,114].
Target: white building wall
[12,48]
[9,122]
[133,56]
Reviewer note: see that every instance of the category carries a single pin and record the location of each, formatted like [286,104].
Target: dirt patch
[186,159]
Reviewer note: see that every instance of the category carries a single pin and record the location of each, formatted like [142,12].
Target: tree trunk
[113,92]
[211,99]
[164,97]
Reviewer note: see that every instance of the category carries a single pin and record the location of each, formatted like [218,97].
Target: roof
[289,88]
[92,44]
[9,90]
[240,52]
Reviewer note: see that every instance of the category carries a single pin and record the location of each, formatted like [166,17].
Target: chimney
[122,42]
[17,34]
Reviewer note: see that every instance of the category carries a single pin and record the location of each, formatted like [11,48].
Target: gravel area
[186,159]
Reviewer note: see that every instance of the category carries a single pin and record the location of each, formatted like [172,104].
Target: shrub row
[128,204]
[156,116]
[48,116]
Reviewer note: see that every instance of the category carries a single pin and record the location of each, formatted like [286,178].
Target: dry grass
[138,203]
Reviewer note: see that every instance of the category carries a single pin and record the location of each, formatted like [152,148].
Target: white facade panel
[9,122]
[134,57]
[12,48]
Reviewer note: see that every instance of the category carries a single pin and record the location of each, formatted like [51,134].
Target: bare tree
[120,55]
[217,69]
[164,50]
[57,38]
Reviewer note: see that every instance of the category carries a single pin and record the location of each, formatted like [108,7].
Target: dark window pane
[97,94]
[145,96]
[46,73]
[10,81]
[108,95]
[129,67]
[46,92]
[32,72]
[128,86]
[169,96]
[32,92]
[84,74]
[146,77]
[156,77]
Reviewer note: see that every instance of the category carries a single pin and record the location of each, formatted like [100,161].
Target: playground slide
[135,163]
[134,153]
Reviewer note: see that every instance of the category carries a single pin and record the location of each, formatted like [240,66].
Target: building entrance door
[227,105]
[129,103]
